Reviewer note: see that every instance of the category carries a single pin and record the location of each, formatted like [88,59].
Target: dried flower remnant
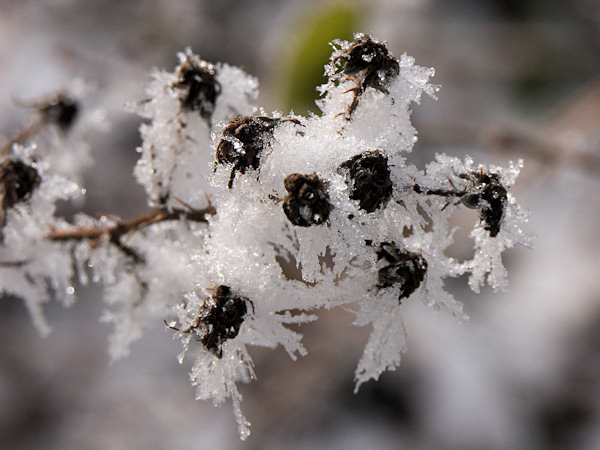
[368,177]
[405,271]
[60,110]
[243,141]
[486,194]
[307,201]
[490,201]
[371,61]
[17,181]
[198,86]
[219,319]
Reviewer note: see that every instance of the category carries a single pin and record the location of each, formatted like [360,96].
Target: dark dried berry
[492,201]
[368,177]
[307,201]
[405,271]
[373,63]
[199,86]
[244,139]
[223,316]
[17,181]
[366,53]
[219,319]
[59,110]
[487,194]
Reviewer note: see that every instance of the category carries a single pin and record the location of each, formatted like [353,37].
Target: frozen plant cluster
[256,220]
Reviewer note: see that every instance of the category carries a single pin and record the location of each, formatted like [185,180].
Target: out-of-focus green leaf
[301,69]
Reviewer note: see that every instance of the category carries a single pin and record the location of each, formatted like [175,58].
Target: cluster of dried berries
[368,178]
[196,80]
[405,270]
[371,63]
[219,319]
[17,182]
[243,141]
[307,201]
[347,163]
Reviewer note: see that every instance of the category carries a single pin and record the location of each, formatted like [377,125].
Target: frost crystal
[237,196]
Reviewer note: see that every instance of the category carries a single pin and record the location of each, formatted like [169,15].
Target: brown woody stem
[122,227]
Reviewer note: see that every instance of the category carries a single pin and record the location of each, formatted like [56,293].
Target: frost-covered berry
[243,141]
[489,196]
[307,202]
[17,181]
[486,193]
[491,202]
[223,315]
[219,319]
[405,271]
[198,86]
[368,178]
[371,61]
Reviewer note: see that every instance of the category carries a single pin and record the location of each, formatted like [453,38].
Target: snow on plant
[235,192]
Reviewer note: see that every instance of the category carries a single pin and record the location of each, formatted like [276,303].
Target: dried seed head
[198,86]
[368,177]
[243,141]
[17,181]
[405,271]
[489,196]
[60,110]
[371,62]
[492,201]
[222,315]
[366,53]
[307,201]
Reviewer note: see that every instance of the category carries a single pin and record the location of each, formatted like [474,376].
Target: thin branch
[13,263]
[21,137]
[122,227]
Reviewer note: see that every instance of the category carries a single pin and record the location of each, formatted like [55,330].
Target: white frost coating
[251,228]
[311,212]
[386,343]
[40,262]
[175,159]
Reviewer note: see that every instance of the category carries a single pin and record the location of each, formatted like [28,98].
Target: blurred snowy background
[520,79]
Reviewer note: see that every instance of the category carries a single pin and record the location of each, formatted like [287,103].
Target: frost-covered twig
[124,227]
[331,194]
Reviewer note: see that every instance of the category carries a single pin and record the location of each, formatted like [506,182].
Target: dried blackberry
[244,139]
[368,177]
[406,270]
[200,89]
[17,181]
[372,62]
[307,201]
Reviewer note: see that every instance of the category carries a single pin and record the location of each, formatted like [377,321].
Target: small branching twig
[123,227]
[20,138]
